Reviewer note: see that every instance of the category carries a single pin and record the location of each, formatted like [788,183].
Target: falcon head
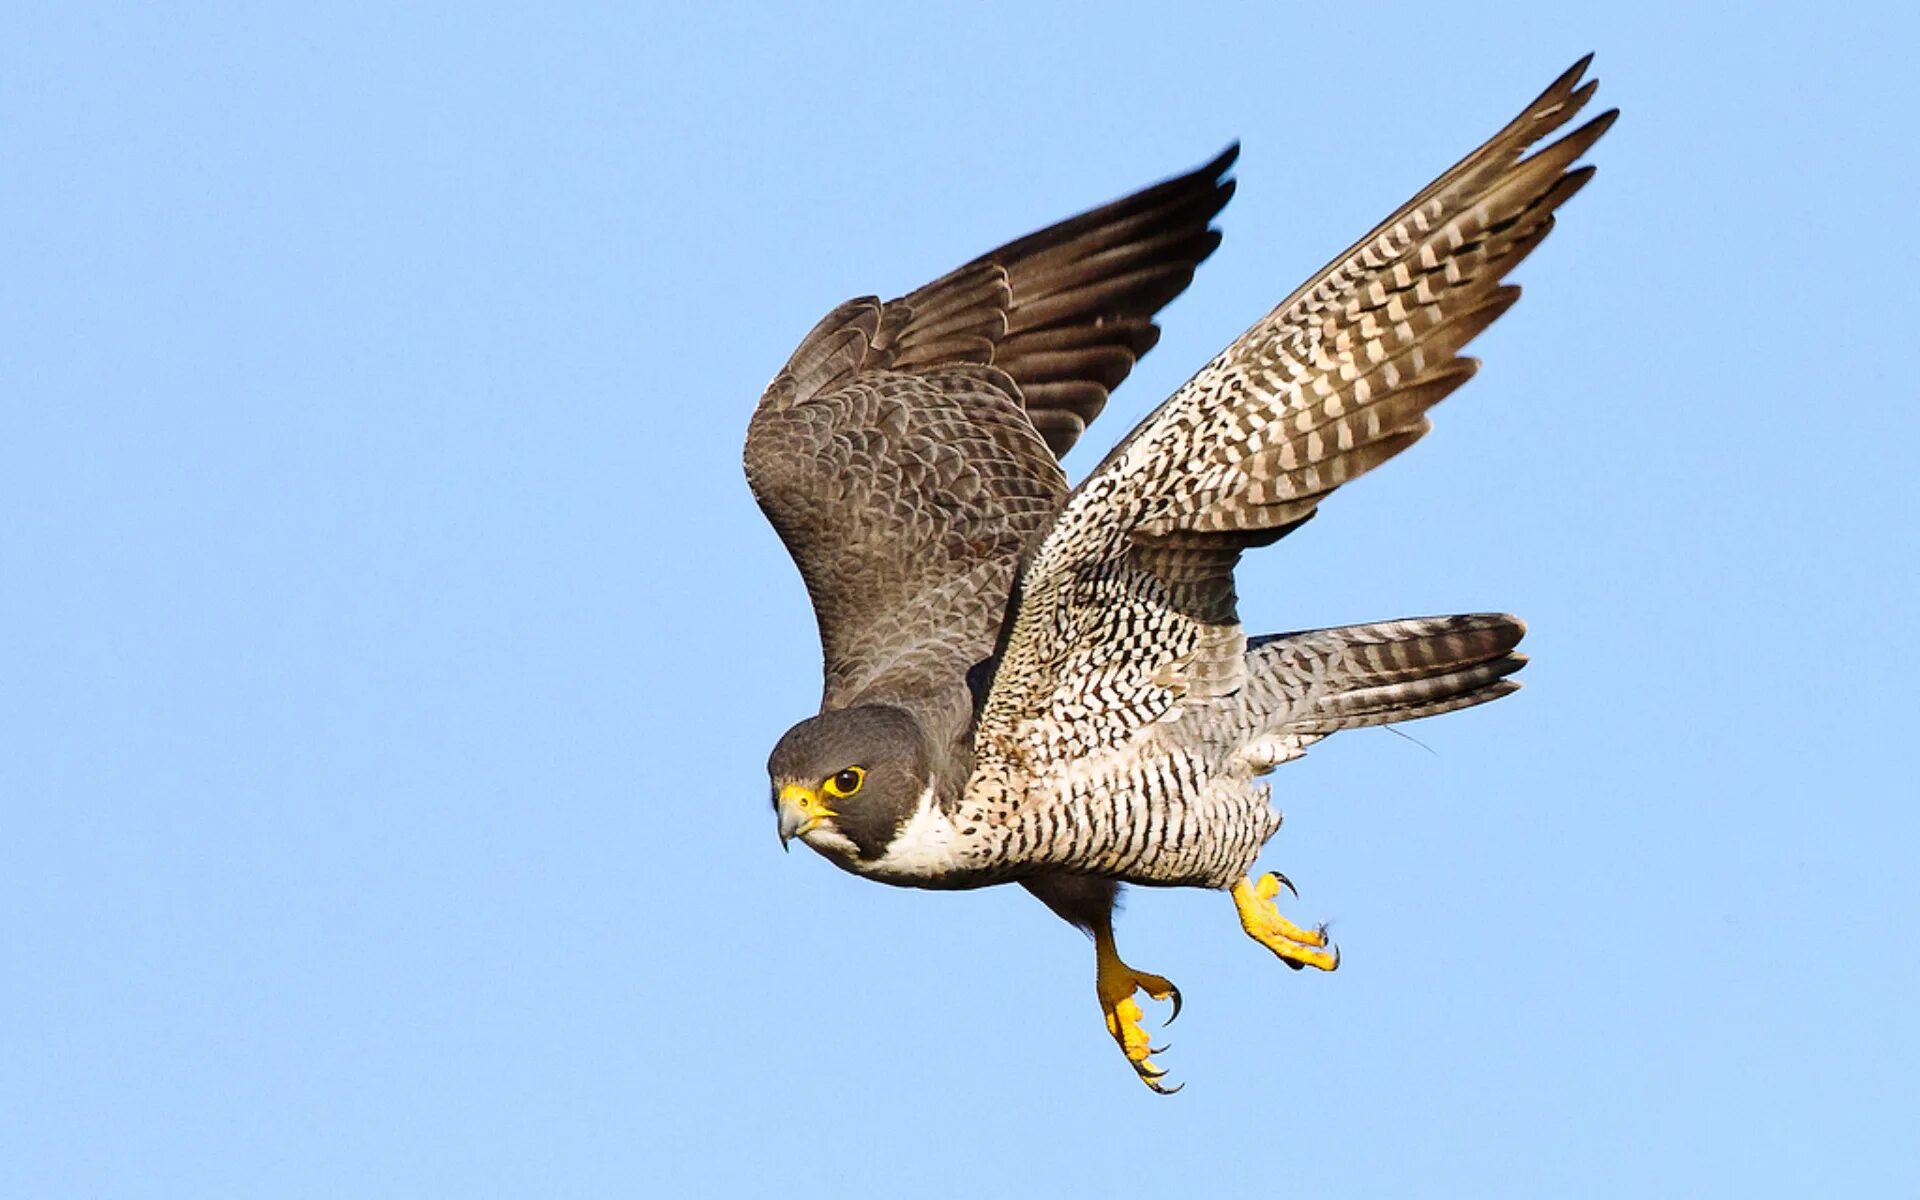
[845,781]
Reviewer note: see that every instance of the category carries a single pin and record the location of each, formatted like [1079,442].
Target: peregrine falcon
[1051,687]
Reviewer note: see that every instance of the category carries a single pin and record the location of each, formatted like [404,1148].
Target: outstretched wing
[906,454]
[1127,614]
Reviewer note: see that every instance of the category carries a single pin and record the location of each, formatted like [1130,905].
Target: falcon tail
[1303,686]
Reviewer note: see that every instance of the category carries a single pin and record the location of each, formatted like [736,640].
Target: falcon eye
[847,782]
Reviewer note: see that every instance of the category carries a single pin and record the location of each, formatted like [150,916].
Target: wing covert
[905,498]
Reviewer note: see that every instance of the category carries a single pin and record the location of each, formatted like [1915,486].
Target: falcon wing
[906,453]
[1126,615]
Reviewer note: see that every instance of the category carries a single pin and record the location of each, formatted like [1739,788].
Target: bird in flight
[1051,687]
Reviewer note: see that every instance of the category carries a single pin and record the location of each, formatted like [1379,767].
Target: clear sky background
[389,647]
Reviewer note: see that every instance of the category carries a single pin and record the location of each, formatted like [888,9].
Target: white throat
[924,847]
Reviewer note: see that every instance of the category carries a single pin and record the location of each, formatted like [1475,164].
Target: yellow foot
[1116,983]
[1261,918]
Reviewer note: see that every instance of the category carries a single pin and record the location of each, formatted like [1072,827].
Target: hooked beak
[801,809]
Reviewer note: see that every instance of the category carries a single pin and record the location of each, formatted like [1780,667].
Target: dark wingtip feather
[1093,281]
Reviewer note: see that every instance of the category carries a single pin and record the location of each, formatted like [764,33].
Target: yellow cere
[807,801]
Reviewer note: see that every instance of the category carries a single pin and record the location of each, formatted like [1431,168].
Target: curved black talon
[1153,1081]
[1148,1071]
[1160,1049]
[1176,1006]
[1287,883]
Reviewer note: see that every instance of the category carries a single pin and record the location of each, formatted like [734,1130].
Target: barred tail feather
[1303,686]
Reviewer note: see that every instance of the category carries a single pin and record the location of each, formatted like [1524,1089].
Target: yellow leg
[1261,918]
[1116,983]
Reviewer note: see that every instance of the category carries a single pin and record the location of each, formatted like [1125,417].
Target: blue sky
[392,648]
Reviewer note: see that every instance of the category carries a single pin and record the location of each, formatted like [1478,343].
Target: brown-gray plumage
[906,452]
[1116,725]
